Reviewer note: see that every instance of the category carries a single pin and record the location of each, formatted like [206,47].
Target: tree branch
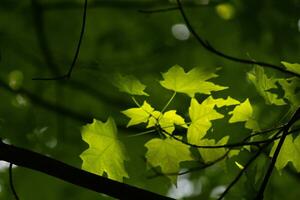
[60,170]
[205,44]
[69,73]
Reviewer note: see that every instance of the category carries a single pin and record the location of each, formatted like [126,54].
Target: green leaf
[167,153]
[210,155]
[262,84]
[129,84]
[220,102]
[201,116]
[290,86]
[293,67]
[106,153]
[290,152]
[166,120]
[244,113]
[139,115]
[192,82]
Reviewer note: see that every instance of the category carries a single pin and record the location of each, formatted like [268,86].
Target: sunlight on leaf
[201,116]
[244,113]
[129,84]
[293,67]
[262,84]
[167,153]
[210,155]
[190,83]
[220,102]
[106,153]
[139,115]
[166,120]
[290,152]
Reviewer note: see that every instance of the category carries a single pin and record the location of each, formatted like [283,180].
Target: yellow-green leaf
[166,120]
[129,84]
[167,154]
[244,113]
[293,67]
[139,115]
[220,102]
[106,153]
[262,84]
[201,116]
[192,82]
[290,152]
[210,155]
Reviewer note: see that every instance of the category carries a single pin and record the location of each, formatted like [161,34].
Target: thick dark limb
[60,170]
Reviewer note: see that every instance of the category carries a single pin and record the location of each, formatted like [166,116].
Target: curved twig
[204,43]
[69,73]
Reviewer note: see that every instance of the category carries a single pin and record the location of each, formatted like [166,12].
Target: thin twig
[69,73]
[210,48]
[11,183]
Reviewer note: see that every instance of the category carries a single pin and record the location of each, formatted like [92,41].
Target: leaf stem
[168,103]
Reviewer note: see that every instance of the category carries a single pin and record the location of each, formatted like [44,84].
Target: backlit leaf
[190,83]
[167,153]
[129,84]
[210,155]
[290,152]
[106,153]
[293,67]
[166,120]
[201,116]
[262,84]
[139,115]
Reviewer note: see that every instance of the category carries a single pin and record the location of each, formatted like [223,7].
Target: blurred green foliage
[39,41]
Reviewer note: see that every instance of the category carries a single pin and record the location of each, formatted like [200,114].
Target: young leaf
[220,102]
[290,152]
[192,82]
[290,87]
[243,113]
[129,84]
[201,116]
[139,115]
[210,155]
[166,120]
[106,153]
[293,67]
[262,84]
[167,153]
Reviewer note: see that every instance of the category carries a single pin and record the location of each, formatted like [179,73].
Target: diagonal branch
[205,44]
[263,186]
[60,170]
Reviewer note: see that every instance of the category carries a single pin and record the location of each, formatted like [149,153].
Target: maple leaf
[262,84]
[289,152]
[166,120]
[129,84]
[106,153]
[167,153]
[192,82]
[201,116]
[139,115]
[244,113]
[210,155]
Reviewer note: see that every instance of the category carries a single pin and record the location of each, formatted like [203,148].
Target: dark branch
[211,49]
[150,11]
[260,194]
[11,183]
[69,73]
[60,170]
